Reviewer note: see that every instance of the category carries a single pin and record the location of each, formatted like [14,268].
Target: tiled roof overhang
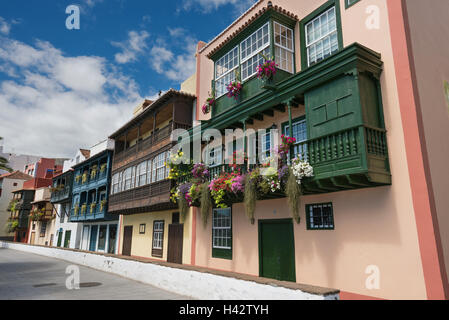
[165,98]
[251,20]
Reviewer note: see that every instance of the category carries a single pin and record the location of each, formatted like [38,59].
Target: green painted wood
[251,87]
[68,234]
[60,234]
[277,250]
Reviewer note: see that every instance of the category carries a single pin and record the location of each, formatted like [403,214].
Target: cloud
[175,66]
[132,47]
[206,6]
[58,103]
[92,3]
[5,27]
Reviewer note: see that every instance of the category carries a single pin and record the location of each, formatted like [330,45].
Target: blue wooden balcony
[96,214]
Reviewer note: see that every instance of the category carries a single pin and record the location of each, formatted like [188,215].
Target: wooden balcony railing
[146,144]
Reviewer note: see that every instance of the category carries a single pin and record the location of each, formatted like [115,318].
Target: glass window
[214,156]
[221,229]
[159,169]
[284,52]
[115,183]
[320,216]
[127,179]
[300,134]
[133,177]
[141,174]
[149,164]
[266,145]
[250,48]
[158,234]
[321,37]
[225,69]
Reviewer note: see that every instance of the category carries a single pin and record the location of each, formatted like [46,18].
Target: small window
[250,48]
[283,45]
[222,233]
[149,164]
[300,134]
[142,228]
[158,238]
[350,3]
[320,216]
[141,174]
[43,228]
[321,37]
[225,69]
[159,169]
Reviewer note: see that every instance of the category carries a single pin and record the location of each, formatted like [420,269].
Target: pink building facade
[390,238]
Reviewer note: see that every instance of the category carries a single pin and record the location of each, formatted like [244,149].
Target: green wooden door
[60,237]
[277,250]
[68,234]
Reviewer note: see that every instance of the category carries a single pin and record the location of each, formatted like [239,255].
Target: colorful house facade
[8,183]
[369,222]
[90,200]
[42,219]
[151,226]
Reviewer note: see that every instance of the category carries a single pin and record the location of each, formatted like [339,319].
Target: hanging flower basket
[266,72]
[234,90]
[207,107]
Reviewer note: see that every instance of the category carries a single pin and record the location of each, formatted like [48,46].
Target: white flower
[301,169]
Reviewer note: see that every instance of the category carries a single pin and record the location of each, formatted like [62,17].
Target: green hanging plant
[206,203]
[250,197]
[293,192]
[183,207]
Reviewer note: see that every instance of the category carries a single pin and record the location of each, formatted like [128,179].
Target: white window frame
[219,229]
[292,50]
[149,171]
[266,153]
[141,172]
[159,167]
[227,72]
[127,179]
[158,234]
[308,45]
[259,50]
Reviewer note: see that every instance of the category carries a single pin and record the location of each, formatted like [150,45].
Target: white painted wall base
[192,284]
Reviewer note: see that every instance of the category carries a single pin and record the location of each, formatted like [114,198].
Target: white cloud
[5,27]
[60,103]
[176,67]
[92,3]
[207,6]
[132,47]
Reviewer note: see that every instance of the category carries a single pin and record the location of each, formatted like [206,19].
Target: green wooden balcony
[251,87]
[348,159]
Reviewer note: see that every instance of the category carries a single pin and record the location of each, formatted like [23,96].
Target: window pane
[221,229]
[321,37]
[249,67]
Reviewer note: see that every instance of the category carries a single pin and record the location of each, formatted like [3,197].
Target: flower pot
[268,83]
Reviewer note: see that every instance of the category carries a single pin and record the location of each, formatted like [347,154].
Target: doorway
[33,236]
[93,238]
[277,250]
[175,242]
[127,240]
[68,235]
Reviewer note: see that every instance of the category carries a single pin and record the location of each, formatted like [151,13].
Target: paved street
[28,276]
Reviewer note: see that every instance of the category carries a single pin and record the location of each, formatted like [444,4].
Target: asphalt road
[25,276]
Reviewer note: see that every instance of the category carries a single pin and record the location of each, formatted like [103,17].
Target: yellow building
[150,224]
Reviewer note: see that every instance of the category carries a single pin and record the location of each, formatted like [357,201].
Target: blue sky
[63,89]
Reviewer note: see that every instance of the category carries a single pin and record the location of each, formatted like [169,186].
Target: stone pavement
[25,276]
